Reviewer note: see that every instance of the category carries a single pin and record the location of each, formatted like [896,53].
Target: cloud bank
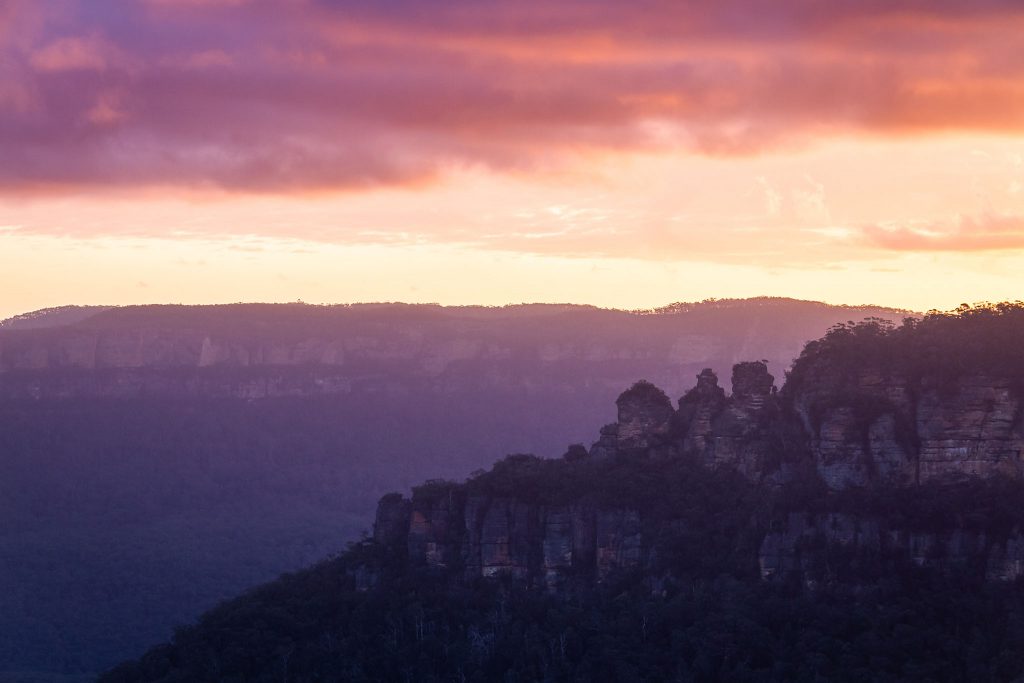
[986,232]
[292,96]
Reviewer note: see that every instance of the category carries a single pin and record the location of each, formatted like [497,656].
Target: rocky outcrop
[645,414]
[872,427]
[751,385]
[618,541]
[867,428]
[698,409]
[975,427]
[857,431]
[720,431]
[607,444]
[822,547]
[798,544]
[570,547]
[490,536]
[741,435]
[436,526]
[391,523]
[501,537]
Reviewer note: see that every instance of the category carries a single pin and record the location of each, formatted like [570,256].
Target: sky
[623,154]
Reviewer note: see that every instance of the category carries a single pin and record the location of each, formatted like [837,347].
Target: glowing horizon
[205,151]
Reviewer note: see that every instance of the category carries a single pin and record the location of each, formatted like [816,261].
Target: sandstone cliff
[878,427]
[822,547]
[860,432]
[483,536]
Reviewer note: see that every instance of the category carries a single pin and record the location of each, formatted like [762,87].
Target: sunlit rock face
[885,428]
[741,434]
[975,427]
[645,414]
[698,409]
[751,385]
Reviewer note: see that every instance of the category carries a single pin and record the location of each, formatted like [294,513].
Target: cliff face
[878,428]
[819,547]
[256,351]
[864,431]
[484,536]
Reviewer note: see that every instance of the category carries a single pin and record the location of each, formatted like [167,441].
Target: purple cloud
[305,95]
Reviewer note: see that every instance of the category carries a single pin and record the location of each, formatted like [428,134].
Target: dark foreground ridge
[863,523]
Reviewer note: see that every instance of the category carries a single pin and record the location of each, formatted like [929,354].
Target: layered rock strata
[820,547]
[868,429]
[481,536]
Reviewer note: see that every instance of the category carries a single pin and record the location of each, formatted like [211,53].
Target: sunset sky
[625,154]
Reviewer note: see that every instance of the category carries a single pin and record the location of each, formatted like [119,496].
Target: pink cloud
[69,54]
[207,59]
[305,95]
[107,110]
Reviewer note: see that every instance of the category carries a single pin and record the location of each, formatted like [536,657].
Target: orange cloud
[970,233]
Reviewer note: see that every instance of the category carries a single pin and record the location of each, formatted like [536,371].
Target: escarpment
[867,513]
[850,428]
[825,546]
[252,351]
[448,526]
[876,427]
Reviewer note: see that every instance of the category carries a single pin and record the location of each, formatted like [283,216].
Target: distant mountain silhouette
[51,317]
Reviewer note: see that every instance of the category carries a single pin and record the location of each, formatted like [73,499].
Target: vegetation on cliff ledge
[981,339]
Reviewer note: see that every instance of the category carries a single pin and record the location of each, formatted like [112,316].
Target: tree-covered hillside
[698,612]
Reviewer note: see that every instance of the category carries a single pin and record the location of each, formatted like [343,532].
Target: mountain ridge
[298,349]
[725,505]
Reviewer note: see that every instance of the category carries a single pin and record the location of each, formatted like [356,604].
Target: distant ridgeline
[287,350]
[864,522]
[207,449]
